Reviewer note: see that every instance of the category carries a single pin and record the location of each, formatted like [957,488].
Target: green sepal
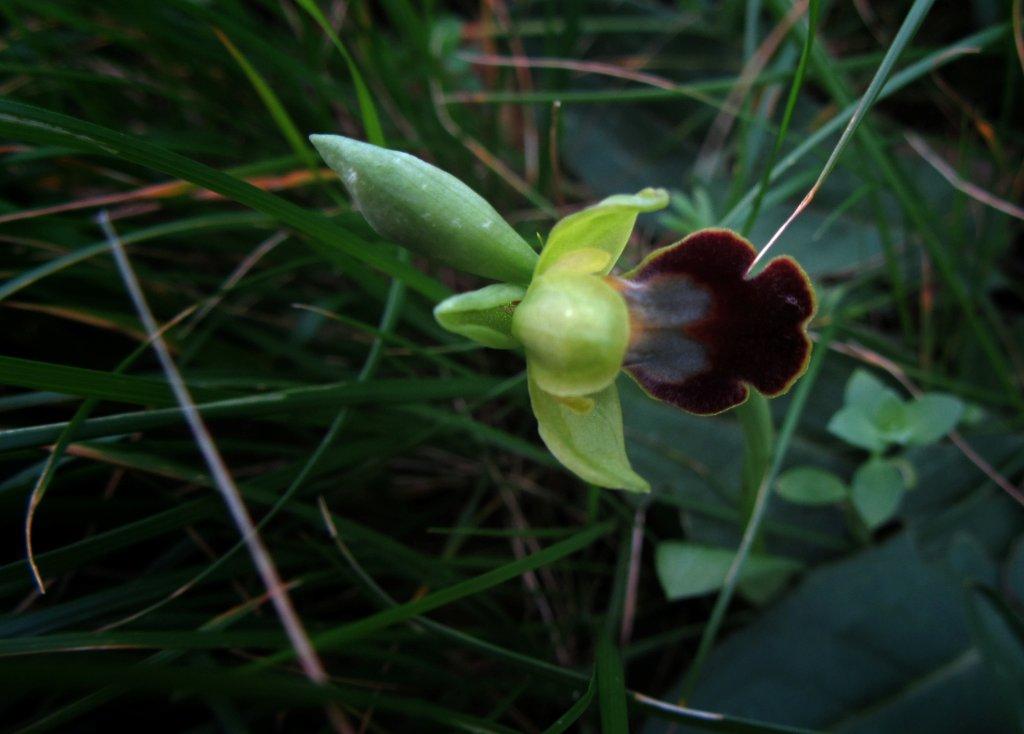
[589,442]
[575,329]
[431,212]
[483,315]
[602,231]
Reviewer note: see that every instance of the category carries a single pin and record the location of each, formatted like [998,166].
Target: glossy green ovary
[575,329]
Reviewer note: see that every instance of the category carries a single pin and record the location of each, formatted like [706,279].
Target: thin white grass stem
[956,181]
[222,478]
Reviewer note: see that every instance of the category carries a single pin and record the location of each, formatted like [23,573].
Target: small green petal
[575,329]
[428,210]
[590,443]
[484,315]
[606,227]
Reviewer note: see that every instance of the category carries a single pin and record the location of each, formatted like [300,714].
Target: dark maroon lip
[701,332]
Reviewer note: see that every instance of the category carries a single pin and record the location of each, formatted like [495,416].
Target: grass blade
[25,122]
[911,22]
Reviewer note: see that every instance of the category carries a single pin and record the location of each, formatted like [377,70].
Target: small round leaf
[809,486]
[877,490]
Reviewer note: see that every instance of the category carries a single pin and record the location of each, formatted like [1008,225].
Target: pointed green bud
[575,328]
[484,315]
[427,210]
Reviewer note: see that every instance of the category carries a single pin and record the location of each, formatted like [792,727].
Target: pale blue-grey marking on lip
[669,302]
[660,309]
[666,356]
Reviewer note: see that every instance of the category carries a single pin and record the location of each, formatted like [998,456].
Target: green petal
[604,227]
[428,210]
[484,315]
[575,329]
[591,443]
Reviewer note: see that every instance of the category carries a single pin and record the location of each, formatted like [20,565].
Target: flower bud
[575,328]
[427,210]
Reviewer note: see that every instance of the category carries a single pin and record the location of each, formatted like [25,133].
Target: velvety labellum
[700,331]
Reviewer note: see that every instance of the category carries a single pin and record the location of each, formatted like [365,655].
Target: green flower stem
[758,436]
[756,519]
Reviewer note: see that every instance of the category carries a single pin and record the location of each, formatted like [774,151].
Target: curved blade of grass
[73,555]
[28,123]
[73,641]
[280,115]
[57,453]
[389,391]
[787,115]
[903,37]
[27,675]
[227,220]
[385,545]
[920,215]
[371,121]
[86,383]
[913,72]
[563,722]
[334,639]
[701,720]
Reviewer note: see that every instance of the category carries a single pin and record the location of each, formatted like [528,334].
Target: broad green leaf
[590,444]
[575,329]
[600,232]
[1013,573]
[931,417]
[428,210]
[999,633]
[877,491]
[483,315]
[855,427]
[809,486]
[886,624]
[687,569]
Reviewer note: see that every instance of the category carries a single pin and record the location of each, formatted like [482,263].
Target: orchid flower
[687,324]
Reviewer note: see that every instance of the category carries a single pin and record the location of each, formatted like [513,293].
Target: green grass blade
[367,108]
[787,115]
[570,717]
[611,687]
[907,30]
[378,392]
[277,111]
[27,123]
[337,637]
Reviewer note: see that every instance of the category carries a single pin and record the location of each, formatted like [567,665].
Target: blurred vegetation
[452,576]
